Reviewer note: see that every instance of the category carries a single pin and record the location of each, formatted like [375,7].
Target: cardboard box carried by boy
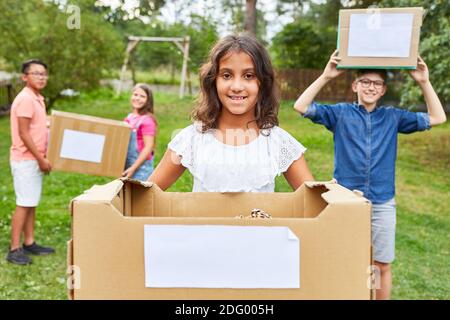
[379,38]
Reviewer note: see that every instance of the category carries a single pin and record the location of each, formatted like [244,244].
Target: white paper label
[380,35]
[82,146]
[211,256]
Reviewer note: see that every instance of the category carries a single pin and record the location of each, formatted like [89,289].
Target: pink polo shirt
[28,104]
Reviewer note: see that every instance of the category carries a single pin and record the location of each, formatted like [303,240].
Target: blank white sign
[84,146]
[211,256]
[380,35]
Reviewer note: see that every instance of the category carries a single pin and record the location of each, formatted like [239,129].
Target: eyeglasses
[377,84]
[38,75]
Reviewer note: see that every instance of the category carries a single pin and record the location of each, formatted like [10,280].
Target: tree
[79,49]
[244,18]
[292,8]
[250,16]
[434,48]
[309,40]
[121,11]
[202,32]
[301,45]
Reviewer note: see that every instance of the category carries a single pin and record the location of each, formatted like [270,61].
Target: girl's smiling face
[237,85]
[138,98]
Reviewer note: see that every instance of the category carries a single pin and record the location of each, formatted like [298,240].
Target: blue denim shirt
[365,144]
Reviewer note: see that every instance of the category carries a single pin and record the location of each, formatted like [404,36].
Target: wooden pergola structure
[181,43]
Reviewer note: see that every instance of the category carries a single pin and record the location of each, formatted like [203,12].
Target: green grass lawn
[162,75]
[423,224]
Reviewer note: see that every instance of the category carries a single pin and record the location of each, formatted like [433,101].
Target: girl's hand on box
[129,172]
[421,74]
[330,71]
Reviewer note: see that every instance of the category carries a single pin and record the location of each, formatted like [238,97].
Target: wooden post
[189,81]
[185,65]
[185,74]
[131,45]
[133,71]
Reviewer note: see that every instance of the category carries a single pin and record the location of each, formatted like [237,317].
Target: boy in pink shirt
[28,161]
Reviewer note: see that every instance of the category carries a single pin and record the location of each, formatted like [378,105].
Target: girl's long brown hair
[209,106]
[147,109]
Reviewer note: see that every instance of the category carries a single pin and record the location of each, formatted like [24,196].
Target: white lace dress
[219,167]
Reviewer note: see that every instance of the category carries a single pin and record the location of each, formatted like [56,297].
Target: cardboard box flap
[88,118]
[417,11]
[70,293]
[336,193]
[111,193]
[146,184]
[312,184]
[102,193]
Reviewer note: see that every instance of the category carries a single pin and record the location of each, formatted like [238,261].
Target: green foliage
[236,8]
[237,11]
[302,45]
[143,9]
[77,57]
[434,48]
[151,55]
[311,38]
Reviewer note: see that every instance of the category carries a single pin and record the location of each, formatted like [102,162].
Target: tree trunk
[250,16]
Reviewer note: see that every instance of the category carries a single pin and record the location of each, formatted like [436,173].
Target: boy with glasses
[365,146]
[28,161]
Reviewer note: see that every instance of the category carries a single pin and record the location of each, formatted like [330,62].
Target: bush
[77,58]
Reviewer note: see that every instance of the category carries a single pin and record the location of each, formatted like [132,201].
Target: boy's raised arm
[434,105]
[330,72]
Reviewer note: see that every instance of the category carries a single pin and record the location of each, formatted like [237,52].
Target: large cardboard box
[374,38]
[86,144]
[107,258]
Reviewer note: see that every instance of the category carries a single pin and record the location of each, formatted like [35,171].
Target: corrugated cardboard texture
[377,62]
[69,264]
[117,136]
[332,223]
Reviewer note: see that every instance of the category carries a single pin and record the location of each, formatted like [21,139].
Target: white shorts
[383,231]
[27,179]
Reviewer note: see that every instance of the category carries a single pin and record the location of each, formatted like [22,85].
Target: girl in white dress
[234,144]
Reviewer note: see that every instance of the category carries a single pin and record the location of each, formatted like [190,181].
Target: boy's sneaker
[38,250]
[18,256]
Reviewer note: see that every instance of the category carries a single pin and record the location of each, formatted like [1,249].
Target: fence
[8,91]
[293,82]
